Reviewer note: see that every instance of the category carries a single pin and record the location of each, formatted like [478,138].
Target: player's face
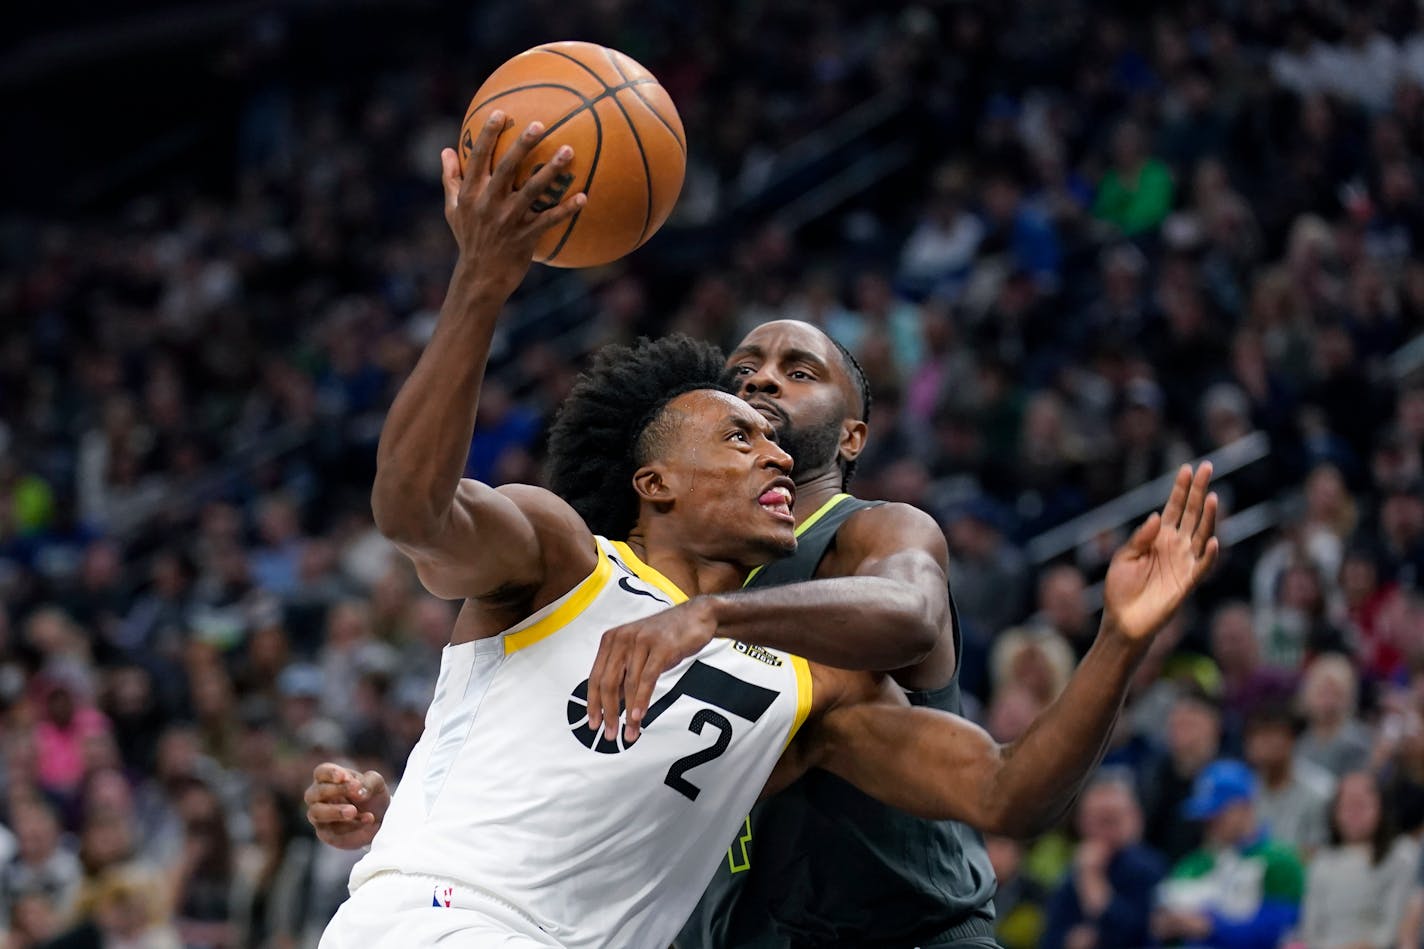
[729,480]
[792,374]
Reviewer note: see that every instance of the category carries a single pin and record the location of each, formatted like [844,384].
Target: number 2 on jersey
[681,766]
[719,689]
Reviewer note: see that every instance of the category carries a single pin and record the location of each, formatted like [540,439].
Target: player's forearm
[1045,769]
[426,435]
[873,623]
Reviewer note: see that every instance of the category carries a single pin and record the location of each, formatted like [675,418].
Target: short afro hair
[612,424]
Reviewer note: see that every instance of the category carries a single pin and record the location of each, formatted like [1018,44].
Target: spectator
[937,255]
[1334,737]
[1034,659]
[202,878]
[1063,608]
[1019,916]
[1204,901]
[1106,899]
[1193,742]
[41,867]
[269,871]
[1014,228]
[1136,193]
[1295,794]
[1357,888]
[1247,683]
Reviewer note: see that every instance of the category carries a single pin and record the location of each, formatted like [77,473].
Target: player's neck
[815,490]
[690,573]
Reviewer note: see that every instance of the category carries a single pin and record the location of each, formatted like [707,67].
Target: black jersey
[821,864]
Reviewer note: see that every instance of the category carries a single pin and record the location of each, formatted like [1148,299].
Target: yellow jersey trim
[647,574]
[803,694]
[575,603]
[804,526]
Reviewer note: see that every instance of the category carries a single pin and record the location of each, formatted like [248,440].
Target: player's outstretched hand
[496,222]
[632,656]
[1164,560]
[345,806]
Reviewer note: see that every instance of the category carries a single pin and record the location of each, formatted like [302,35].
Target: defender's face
[792,374]
[729,480]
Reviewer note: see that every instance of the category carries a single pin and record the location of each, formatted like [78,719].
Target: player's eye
[740,436]
[742,371]
[800,374]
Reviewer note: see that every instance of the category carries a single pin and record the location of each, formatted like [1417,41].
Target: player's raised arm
[939,766]
[466,538]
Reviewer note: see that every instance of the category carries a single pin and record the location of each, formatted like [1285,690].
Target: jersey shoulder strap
[813,537]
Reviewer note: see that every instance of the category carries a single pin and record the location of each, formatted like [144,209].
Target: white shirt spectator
[1365,73]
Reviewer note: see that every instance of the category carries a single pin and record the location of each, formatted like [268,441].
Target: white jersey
[599,843]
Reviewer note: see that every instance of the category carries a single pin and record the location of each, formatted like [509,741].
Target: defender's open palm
[1164,560]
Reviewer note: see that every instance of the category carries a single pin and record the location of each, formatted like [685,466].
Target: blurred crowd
[1124,237]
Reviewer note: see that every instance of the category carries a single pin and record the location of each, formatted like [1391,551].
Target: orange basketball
[629,149]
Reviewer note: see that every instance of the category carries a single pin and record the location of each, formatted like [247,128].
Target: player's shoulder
[893,522]
[559,528]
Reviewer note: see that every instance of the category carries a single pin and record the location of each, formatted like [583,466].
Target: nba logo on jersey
[442,897]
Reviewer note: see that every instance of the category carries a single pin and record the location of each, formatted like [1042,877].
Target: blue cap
[1223,782]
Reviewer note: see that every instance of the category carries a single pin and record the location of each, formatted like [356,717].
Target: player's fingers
[330,773]
[1141,540]
[595,682]
[540,192]
[321,814]
[450,177]
[373,784]
[611,688]
[637,690]
[345,834]
[553,217]
[1207,560]
[502,178]
[1177,500]
[327,793]
[477,163]
[1206,527]
[1196,499]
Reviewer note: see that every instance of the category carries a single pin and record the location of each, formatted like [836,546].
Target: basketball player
[822,863]
[520,823]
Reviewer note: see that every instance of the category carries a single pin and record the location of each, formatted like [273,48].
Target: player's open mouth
[776,500]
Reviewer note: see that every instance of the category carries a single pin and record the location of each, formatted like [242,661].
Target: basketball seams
[582,65]
[585,100]
[613,60]
[647,172]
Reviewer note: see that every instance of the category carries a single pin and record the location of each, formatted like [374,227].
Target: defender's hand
[632,656]
[1164,560]
[346,807]
[495,223]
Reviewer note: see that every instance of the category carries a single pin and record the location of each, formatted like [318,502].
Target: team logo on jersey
[757,653]
[701,682]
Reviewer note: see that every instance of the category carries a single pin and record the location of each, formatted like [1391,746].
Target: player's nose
[778,458]
[762,381]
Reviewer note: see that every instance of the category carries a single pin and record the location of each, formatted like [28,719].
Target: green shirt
[1236,885]
[1138,204]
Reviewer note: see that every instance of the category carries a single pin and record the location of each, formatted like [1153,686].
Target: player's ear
[651,483]
[853,432]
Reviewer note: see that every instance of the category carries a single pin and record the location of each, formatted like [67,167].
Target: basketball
[629,149]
